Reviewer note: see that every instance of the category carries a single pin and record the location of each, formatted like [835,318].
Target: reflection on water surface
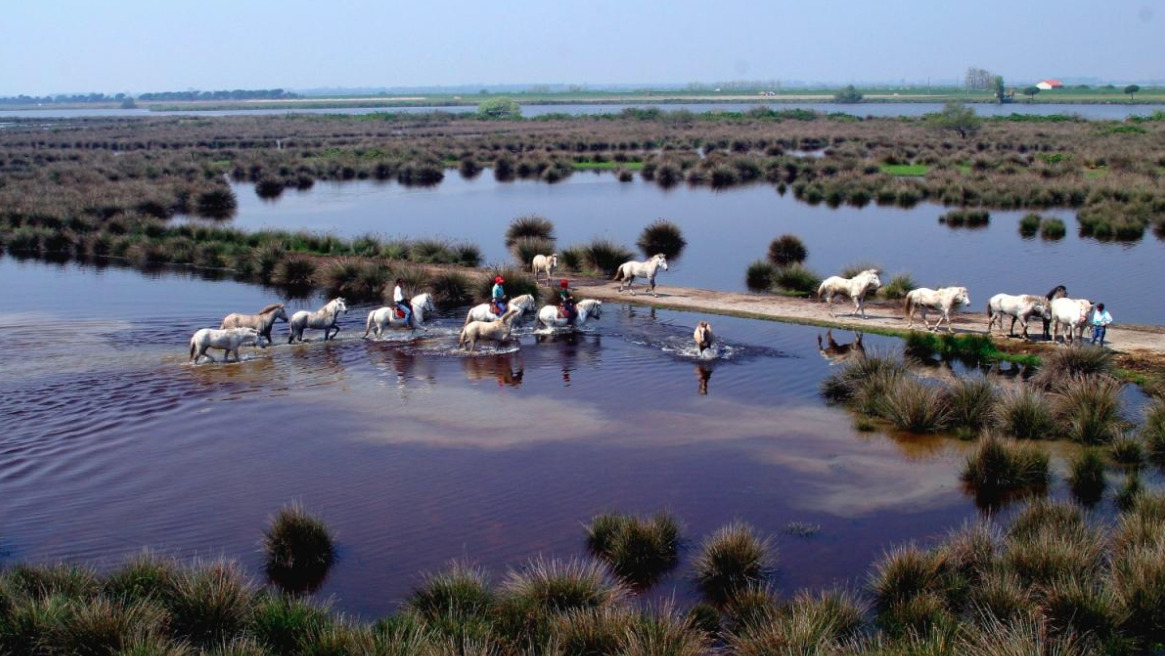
[416,453]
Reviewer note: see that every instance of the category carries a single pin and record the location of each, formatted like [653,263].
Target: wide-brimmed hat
[563,283]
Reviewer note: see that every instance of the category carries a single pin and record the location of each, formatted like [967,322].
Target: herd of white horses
[482,324]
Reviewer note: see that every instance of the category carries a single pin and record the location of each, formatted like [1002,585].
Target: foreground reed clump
[999,466]
[299,548]
[730,560]
[638,549]
[978,591]
[1088,409]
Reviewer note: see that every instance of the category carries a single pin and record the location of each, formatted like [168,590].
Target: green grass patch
[1093,174]
[906,170]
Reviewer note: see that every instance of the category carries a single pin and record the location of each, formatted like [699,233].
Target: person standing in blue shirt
[1100,321]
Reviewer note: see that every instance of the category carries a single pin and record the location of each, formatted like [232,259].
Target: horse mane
[271,308]
[1058,289]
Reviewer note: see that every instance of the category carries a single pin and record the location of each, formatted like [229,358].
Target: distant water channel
[1116,112]
[726,230]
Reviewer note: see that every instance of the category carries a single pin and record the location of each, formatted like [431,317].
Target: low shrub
[898,287]
[209,603]
[661,236]
[558,586]
[459,592]
[604,255]
[786,250]
[529,226]
[1126,449]
[1061,366]
[797,279]
[760,276]
[1029,225]
[1053,229]
[451,289]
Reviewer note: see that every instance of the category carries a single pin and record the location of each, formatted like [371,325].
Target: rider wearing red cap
[498,296]
[565,299]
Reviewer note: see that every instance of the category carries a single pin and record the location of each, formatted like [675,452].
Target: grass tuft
[731,559]
[786,250]
[661,236]
[638,549]
[999,466]
[529,226]
[299,549]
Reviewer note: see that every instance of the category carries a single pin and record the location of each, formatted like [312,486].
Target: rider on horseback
[565,300]
[403,307]
[498,297]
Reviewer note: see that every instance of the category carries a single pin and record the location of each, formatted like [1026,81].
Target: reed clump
[299,548]
[638,549]
[730,560]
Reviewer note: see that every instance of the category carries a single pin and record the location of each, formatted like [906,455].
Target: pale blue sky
[53,46]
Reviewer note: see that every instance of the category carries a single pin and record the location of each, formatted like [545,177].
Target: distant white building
[1048,85]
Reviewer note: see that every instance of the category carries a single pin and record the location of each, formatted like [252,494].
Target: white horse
[583,310]
[388,317]
[629,271]
[941,300]
[482,312]
[1071,313]
[228,339]
[498,331]
[546,263]
[322,319]
[855,288]
[1019,308]
[703,336]
[262,322]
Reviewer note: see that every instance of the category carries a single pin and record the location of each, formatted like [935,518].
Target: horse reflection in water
[703,374]
[841,353]
[406,366]
[571,346]
[506,368]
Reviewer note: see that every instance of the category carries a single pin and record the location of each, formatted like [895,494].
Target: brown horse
[261,322]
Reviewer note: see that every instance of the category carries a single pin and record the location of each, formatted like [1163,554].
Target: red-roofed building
[1047,85]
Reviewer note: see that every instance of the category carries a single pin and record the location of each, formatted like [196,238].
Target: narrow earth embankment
[1139,347]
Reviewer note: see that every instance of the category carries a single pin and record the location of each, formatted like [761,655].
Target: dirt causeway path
[1142,347]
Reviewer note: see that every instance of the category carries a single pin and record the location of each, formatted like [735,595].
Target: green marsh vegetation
[1052,575]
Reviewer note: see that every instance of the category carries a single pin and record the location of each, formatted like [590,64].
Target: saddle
[400,314]
[564,313]
[497,308]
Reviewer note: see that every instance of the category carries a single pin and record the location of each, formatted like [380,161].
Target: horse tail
[618,273]
[909,304]
[193,348]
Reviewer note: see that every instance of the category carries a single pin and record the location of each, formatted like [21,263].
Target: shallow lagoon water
[726,230]
[416,454]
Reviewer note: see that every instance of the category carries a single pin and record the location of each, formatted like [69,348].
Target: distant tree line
[82,98]
[235,94]
[979,79]
[62,98]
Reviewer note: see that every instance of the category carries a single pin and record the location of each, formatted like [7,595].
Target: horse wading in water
[390,317]
[703,337]
[855,288]
[228,340]
[629,271]
[322,319]
[583,310]
[1072,313]
[524,303]
[261,322]
[941,300]
[544,264]
[498,331]
[1020,308]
